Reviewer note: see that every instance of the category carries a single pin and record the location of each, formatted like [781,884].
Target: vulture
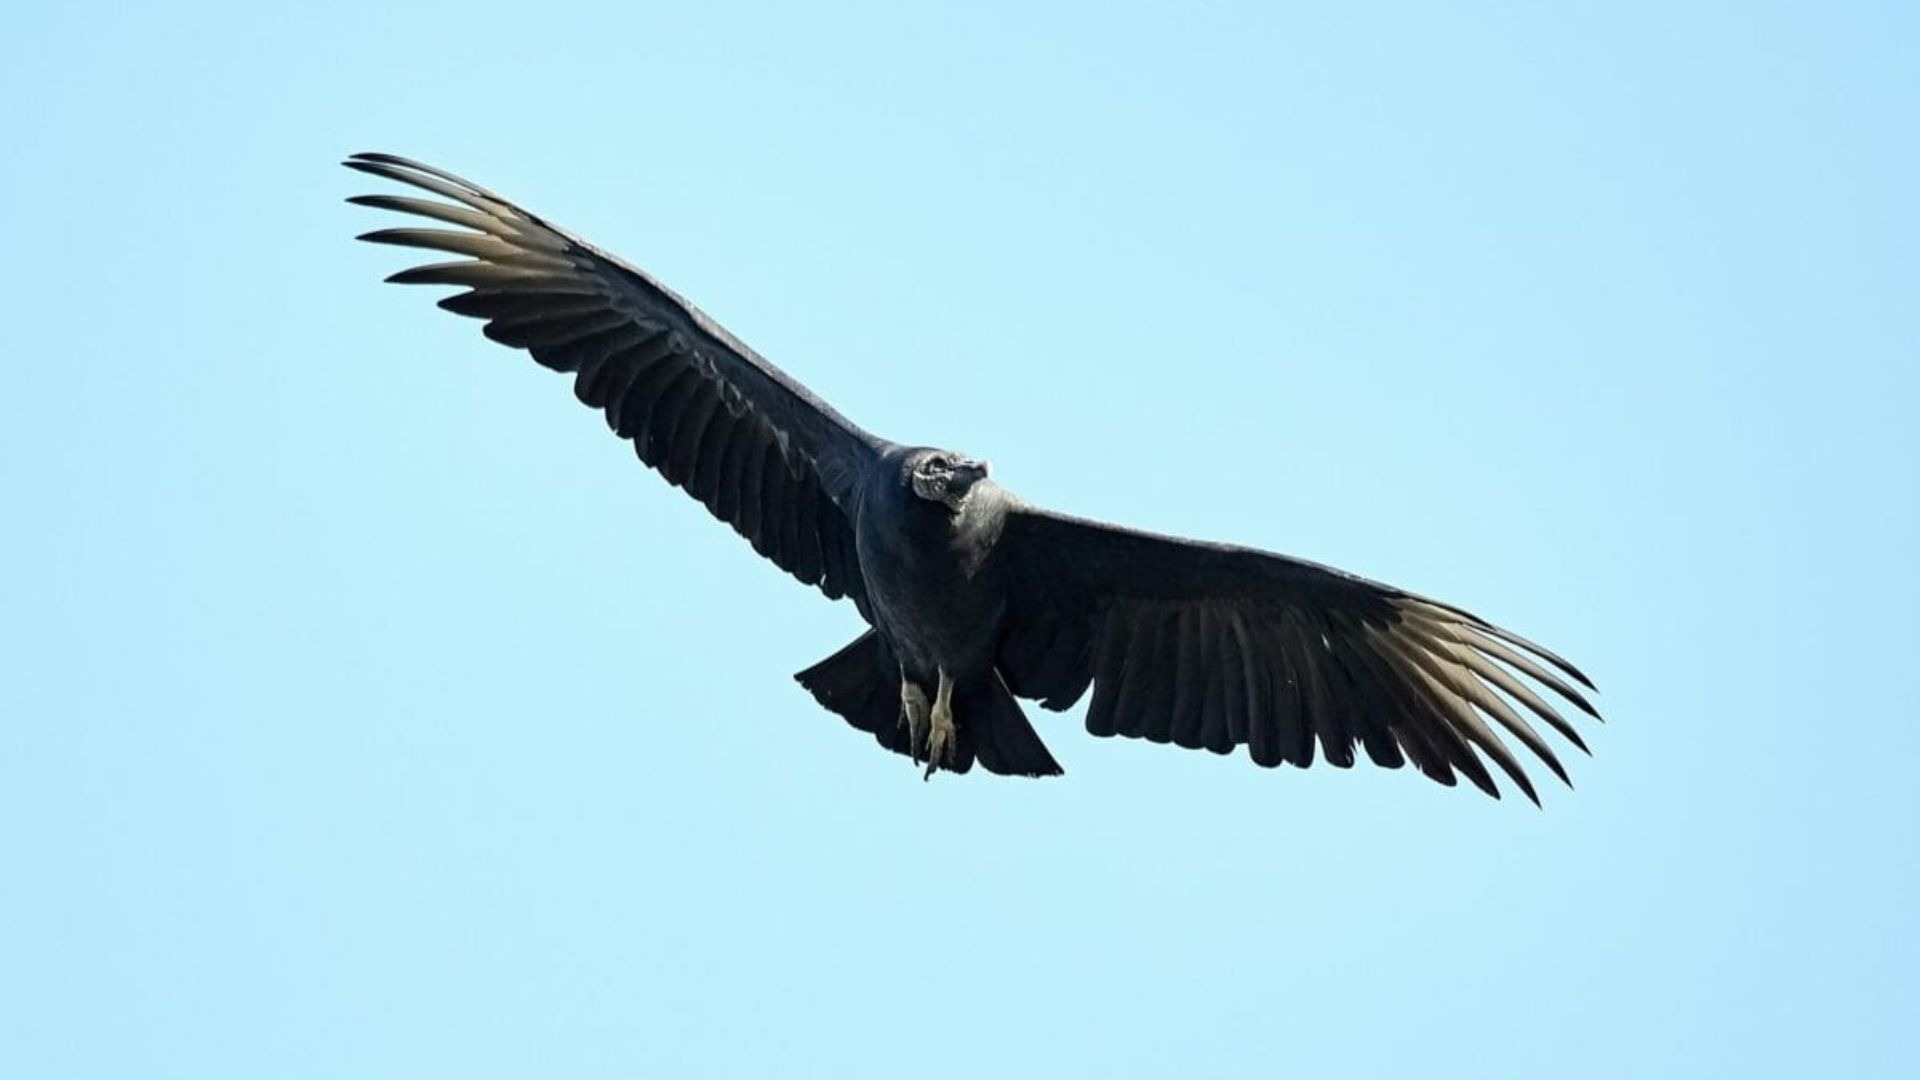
[975,598]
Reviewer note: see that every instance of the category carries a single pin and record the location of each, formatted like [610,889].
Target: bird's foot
[914,716]
[941,736]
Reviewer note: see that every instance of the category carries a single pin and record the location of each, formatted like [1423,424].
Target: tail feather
[1003,738]
[861,685]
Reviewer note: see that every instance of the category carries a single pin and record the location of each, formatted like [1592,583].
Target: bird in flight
[974,597]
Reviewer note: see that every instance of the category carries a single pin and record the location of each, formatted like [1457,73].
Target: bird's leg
[940,737]
[913,715]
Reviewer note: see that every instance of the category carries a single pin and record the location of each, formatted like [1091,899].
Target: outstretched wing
[1212,646]
[732,430]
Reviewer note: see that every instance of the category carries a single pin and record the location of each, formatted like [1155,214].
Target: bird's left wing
[1208,645]
[761,452]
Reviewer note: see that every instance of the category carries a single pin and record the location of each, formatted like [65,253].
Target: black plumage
[975,597]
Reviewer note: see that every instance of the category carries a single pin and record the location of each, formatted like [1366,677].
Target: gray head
[943,476]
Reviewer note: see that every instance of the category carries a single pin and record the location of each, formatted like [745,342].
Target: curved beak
[969,473]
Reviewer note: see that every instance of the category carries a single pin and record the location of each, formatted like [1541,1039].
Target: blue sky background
[368,710]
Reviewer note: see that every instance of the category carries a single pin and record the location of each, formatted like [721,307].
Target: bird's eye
[937,462]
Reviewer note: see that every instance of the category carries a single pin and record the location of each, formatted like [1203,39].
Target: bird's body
[975,597]
[932,582]
[935,588]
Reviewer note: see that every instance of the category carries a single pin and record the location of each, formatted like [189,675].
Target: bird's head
[943,476]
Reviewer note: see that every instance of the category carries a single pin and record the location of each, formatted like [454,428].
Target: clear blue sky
[369,712]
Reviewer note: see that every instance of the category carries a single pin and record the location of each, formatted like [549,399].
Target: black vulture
[975,597]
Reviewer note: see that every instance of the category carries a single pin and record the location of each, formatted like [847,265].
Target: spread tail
[861,684]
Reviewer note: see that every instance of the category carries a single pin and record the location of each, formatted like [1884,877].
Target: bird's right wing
[760,451]
[1208,645]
